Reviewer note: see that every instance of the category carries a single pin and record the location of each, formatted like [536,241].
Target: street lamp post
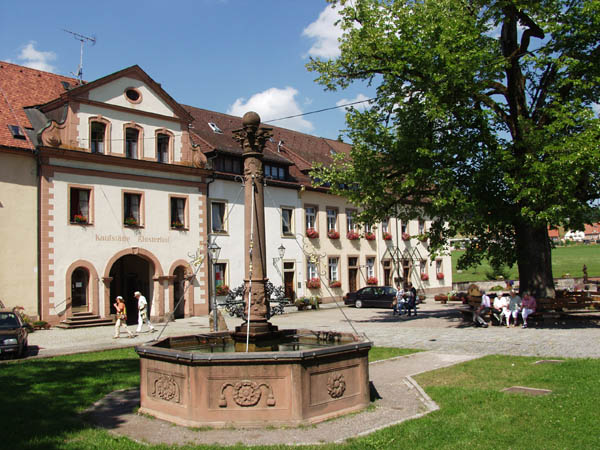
[213,251]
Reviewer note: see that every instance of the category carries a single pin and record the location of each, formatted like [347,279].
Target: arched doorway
[178,291]
[131,273]
[79,290]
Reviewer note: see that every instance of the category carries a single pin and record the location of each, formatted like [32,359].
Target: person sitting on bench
[529,306]
[484,308]
[500,306]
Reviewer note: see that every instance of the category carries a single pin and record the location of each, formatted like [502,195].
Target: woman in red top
[528,306]
[121,318]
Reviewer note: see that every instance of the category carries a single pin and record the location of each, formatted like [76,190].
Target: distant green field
[565,260]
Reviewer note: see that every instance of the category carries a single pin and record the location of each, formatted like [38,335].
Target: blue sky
[224,55]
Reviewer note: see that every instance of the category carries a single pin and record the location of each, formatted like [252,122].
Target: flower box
[353,235]
[440,275]
[313,283]
[405,237]
[372,280]
[387,236]
[335,284]
[222,289]
[177,224]
[131,222]
[422,237]
[370,236]
[311,233]
[79,218]
[424,276]
[332,234]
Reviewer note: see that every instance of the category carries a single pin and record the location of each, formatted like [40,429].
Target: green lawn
[565,260]
[41,400]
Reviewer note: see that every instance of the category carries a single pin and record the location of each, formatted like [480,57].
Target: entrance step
[85,319]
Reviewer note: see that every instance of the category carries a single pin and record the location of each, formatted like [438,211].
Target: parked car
[378,296]
[13,334]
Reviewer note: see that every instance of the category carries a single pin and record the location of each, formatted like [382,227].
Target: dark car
[378,296]
[13,334]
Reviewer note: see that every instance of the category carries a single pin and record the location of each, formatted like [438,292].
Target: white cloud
[272,104]
[30,57]
[358,98]
[326,34]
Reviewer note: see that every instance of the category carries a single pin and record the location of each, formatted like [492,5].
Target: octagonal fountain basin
[208,380]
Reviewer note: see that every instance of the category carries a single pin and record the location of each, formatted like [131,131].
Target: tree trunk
[534,258]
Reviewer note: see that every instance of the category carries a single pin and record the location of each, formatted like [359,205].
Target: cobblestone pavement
[437,327]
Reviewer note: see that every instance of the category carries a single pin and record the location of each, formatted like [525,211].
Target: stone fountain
[257,375]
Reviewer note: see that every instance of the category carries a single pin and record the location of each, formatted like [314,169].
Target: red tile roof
[592,229]
[21,87]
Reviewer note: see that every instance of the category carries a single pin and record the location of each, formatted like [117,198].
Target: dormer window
[97,137]
[162,147]
[213,126]
[277,173]
[131,143]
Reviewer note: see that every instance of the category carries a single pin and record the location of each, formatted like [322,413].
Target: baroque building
[112,186]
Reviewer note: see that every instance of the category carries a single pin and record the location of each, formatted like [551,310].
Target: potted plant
[335,284]
[333,234]
[405,236]
[302,303]
[372,280]
[131,222]
[353,235]
[80,218]
[177,224]
[424,276]
[440,275]
[222,289]
[422,238]
[311,233]
[370,236]
[387,236]
[313,283]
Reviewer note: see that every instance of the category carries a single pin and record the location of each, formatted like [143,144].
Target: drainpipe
[211,267]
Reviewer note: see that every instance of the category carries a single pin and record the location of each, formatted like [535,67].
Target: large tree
[483,120]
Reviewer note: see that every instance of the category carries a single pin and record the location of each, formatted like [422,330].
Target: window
[333,269]
[287,215]
[213,126]
[403,226]
[385,225]
[178,215]
[218,217]
[228,164]
[423,266]
[220,274]
[350,220]
[370,267]
[131,143]
[310,215]
[311,270]
[79,201]
[438,266]
[368,228]
[275,172]
[421,226]
[331,219]
[353,261]
[16,131]
[132,209]
[133,95]
[97,137]
[162,147]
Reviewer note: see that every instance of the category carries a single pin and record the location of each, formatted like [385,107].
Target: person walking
[411,303]
[121,318]
[142,312]
[400,301]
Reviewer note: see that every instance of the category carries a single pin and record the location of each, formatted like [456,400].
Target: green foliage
[498,272]
[483,120]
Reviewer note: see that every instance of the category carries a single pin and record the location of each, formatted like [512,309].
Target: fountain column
[253,139]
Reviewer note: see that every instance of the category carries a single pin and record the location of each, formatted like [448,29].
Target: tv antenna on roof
[81,38]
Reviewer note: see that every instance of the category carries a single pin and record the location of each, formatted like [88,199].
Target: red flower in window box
[353,235]
[177,224]
[332,234]
[424,276]
[335,284]
[370,236]
[222,289]
[131,222]
[312,233]
[440,275]
[79,218]
[372,280]
[313,283]
[387,236]
[405,237]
